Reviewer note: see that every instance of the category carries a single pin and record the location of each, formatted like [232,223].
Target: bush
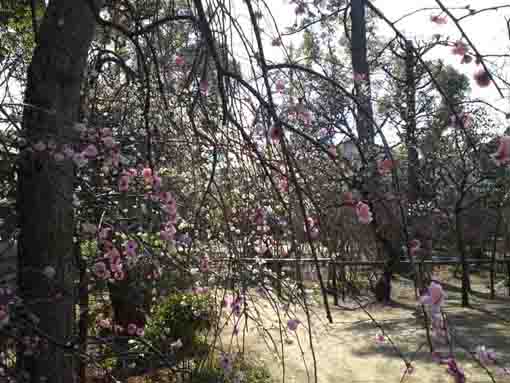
[251,372]
[183,316]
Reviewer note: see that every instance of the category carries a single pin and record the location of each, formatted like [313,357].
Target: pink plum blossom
[168,233]
[363,213]
[485,355]
[105,323]
[104,233]
[292,324]
[276,132]
[280,86]
[455,371]
[414,246]
[276,42]
[434,296]
[306,117]
[157,182]
[459,48]
[108,142]
[385,166]
[179,61]
[147,175]
[283,185]
[227,301]
[90,151]
[466,59]
[130,248]
[131,329]
[502,156]
[106,132]
[166,197]
[358,77]
[313,228]
[39,146]
[124,183]
[260,247]
[482,78]
[259,216]
[4,315]
[503,371]
[204,264]
[113,255]
[437,19]
[204,87]
[226,363]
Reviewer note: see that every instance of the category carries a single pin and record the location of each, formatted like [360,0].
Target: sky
[487,31]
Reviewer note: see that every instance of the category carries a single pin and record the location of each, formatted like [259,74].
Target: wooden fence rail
[333,265]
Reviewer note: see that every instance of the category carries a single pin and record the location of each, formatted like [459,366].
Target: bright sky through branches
[487,30]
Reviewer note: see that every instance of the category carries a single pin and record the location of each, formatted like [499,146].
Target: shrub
[243,371]
[183,316]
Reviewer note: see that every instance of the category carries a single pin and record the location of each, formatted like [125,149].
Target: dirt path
[346,351]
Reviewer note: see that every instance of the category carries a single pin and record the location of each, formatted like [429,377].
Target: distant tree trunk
[411,142]
[494,251]
[412,148]
[46,187]
[365,127]
[461,247]
[360,67]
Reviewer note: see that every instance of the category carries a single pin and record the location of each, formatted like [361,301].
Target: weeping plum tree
[275,199]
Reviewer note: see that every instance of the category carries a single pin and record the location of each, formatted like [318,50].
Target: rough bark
[46,187]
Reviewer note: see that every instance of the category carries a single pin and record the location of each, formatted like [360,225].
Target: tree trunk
[411,142]
[462,251]
[360,67]
[364,123]
[494,251]
[46,187]
[412,152]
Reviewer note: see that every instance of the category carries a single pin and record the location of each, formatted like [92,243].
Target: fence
[337,269]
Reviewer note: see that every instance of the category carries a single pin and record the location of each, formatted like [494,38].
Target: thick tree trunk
[46,187]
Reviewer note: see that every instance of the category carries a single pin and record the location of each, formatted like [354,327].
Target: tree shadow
[471,327]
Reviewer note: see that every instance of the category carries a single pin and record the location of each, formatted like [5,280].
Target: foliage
[243,371]
[181,316]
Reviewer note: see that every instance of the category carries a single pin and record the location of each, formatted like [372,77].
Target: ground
[346,351]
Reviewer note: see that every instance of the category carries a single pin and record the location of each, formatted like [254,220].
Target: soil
[347,350]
